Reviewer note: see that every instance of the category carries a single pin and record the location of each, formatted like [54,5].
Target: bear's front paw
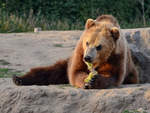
[18,81]
[91,83]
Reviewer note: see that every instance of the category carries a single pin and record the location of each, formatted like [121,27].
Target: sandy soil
[22,51]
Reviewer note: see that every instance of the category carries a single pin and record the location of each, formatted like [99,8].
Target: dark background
[24,15]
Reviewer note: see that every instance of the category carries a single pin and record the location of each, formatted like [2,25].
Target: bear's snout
[88,59]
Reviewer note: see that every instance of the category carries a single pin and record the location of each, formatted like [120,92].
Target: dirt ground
[22,51]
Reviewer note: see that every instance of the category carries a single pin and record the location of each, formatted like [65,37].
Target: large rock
[66,99]
[139,42]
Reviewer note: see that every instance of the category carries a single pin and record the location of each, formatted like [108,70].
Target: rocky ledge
[66,99]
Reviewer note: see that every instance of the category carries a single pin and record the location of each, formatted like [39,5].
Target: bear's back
[108,18]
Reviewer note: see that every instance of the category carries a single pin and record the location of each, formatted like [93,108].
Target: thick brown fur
[108,18]
[113,62]
[55,74]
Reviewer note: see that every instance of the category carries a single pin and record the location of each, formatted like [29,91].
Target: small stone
[37,29]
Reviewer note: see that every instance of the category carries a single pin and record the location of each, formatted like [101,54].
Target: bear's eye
[99,47]
[87,43]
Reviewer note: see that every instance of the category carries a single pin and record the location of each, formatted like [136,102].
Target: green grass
[57,45]
[3,62]
[6,73]
[133,111]
[63,86]
[27,23]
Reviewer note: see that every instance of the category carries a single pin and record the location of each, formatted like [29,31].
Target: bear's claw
[86,86]
[91,83]
[17,80]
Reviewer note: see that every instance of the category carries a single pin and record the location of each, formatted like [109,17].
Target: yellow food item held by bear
[92,73]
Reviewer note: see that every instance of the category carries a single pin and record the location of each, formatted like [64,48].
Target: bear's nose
[88,59]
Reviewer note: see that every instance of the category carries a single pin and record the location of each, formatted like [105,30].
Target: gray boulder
[139,42]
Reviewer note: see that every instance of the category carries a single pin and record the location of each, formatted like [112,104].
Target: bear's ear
[89,23]
[115,33]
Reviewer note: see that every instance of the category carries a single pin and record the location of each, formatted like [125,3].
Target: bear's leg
[77,79]
[55,74]
[133,77]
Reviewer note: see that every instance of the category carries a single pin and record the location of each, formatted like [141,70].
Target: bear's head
[99,41]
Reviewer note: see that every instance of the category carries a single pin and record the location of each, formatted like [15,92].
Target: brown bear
[101,44]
